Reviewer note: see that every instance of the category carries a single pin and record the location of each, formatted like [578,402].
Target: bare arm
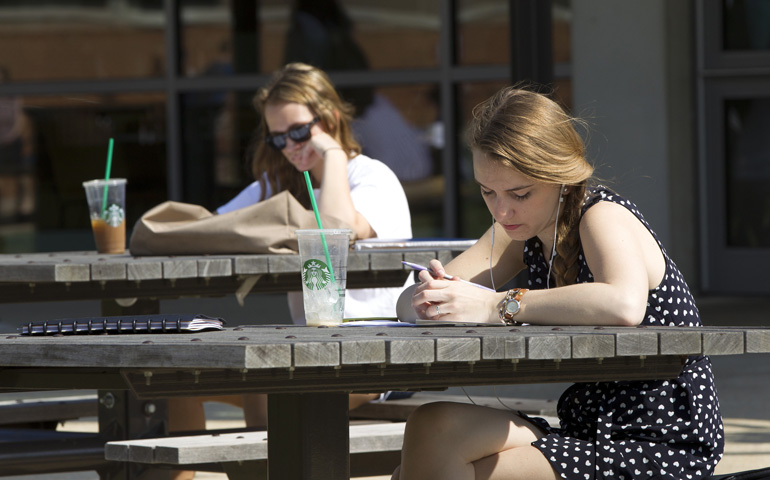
[335,199]
[626,263]
[622,255]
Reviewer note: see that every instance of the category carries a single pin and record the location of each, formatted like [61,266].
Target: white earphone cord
[548,281]
[555,227]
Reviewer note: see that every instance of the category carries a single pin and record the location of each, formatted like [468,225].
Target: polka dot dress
[661,429]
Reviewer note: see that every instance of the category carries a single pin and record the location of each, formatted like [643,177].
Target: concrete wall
[630,66]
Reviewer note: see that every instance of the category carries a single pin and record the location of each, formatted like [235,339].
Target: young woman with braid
[592,260]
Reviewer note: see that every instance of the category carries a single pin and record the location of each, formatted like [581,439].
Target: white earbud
[491,249]
[555,225]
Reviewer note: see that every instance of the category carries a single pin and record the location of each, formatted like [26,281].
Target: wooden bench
[30,442]
[375,448]
[46,412]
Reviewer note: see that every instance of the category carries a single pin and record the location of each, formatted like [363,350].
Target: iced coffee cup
[107,207]
[324,258]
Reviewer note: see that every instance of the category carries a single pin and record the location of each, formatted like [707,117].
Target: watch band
[513,295]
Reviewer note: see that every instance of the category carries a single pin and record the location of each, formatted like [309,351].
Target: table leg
[308,436]
[123,416]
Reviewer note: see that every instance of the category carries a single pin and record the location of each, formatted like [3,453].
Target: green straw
[318,221]
[107,176]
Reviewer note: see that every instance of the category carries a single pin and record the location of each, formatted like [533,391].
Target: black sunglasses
[297,134]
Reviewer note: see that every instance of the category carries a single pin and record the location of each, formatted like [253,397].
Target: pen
[418,267]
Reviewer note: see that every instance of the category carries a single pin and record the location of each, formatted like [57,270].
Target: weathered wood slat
[250,265]
[458,349]
[215,267]
[363,352]
[244,446]
[47,409]
[104,271]
[411,352]
[271,346]
[144,270]
[636,343]
[549,347]
[180,268]
[679,342]
[593,346]
[757,341]
[723,343]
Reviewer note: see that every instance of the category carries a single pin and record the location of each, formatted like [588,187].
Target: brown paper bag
[175,228]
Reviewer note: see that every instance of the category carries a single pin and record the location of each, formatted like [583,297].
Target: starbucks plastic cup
[107,208]
[324,258]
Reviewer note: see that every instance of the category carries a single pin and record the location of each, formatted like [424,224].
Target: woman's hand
[321,142]
[452,300]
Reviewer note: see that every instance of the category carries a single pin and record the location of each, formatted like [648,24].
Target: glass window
[748,172]
[64,141]
[402,128]
[330,34]
[398,125]
[217,128]
[483,36]
[86,40]
[746,24]
[475,218]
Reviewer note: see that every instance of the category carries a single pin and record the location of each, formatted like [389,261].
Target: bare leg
[255,407]
[185,414]
[255,410]
[356,400]
[452,441]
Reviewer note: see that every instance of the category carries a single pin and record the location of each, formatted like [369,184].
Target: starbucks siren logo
[315,274]
[114,215]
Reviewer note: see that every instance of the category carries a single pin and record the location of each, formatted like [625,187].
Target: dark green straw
[318,221]
[107,177]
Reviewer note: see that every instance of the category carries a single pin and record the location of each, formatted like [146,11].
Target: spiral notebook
[166,323]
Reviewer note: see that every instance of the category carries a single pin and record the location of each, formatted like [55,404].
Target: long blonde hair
[309,86]
[532,134]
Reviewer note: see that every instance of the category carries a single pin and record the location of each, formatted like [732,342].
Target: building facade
[674,92]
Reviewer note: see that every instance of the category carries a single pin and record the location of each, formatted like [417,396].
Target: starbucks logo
[315,274]
[114,215]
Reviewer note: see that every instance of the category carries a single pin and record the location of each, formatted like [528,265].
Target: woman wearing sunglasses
[306,126]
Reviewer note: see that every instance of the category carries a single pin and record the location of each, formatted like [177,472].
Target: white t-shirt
[377,195]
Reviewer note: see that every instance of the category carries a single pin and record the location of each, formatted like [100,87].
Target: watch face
[512,307]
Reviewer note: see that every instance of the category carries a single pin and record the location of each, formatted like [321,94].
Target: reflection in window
[64,142]
[748,172]
[82,40]
[475,218]
[483,33]
[217,127]
[402,128]
[330,34]
[746,24]
[398,126]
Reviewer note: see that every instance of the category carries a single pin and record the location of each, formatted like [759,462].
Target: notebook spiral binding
[176,323]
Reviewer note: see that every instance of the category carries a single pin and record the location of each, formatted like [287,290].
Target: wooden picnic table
[35,277]
[142,282]
[307,372]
